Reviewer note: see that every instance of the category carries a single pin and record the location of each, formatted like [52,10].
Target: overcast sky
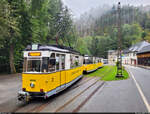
[80,6]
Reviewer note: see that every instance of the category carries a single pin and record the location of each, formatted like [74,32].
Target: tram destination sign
[34,54]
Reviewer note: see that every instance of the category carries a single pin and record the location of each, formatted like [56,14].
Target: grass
[108,73]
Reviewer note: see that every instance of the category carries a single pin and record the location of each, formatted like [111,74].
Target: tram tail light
[41,90]
[23,89]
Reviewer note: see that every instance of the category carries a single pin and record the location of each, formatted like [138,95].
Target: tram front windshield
[34,66]
[38,65]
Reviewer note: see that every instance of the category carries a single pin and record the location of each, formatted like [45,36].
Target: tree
[39,20]
[11,34]
[143,35]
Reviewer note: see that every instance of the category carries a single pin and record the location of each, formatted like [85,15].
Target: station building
[144,56]
[130,54]
[112,57]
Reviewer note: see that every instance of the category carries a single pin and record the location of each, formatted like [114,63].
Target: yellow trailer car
[91,63]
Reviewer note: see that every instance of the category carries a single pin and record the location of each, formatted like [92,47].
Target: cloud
[80,6]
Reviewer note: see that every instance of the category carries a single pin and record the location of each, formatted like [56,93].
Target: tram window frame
[57,62]
[88,60]
[45,62]
[73,61]
[93,60]
[30,63]
[80,61]
[76,61]
[25,65]
[63,61]
[52,67]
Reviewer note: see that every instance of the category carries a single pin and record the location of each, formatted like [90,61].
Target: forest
[99,33]
[24,22]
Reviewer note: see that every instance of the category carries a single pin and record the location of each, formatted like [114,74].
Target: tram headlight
[32,85]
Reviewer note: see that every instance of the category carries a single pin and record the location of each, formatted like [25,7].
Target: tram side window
[63,61]
[52,62]
[80,61]
[74,61]
[94,61]
[57,61]
[71,61]
[45,64]
[88,61]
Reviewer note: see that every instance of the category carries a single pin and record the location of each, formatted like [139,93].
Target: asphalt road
[122,96]
[9,86]
[87,95]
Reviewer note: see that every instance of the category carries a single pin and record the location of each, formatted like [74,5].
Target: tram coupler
[24,96]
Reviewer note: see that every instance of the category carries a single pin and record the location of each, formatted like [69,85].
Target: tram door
[54,78]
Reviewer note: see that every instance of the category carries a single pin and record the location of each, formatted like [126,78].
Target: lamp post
[119,57]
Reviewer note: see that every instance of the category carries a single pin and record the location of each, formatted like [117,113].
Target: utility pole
[119,57]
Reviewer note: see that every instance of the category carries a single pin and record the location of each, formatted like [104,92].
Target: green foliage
[23,22]
[131,34]
[83,44]
[36,21]
[100,72]
[143,35]
[39,20]
[103,29]
[111,76]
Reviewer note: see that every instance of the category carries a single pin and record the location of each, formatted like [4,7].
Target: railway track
[40,107]
[83,102]
[24,105]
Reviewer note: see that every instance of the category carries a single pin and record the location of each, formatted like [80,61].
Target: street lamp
[119,57]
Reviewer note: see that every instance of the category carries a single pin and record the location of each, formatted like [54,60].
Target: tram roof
[57,48]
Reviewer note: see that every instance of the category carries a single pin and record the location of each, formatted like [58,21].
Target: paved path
[9,86]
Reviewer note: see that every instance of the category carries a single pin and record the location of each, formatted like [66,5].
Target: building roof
[137,47]
[126,51]
[144,49]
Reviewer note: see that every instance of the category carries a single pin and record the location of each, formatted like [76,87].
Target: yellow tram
[49,69]
[91,63]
